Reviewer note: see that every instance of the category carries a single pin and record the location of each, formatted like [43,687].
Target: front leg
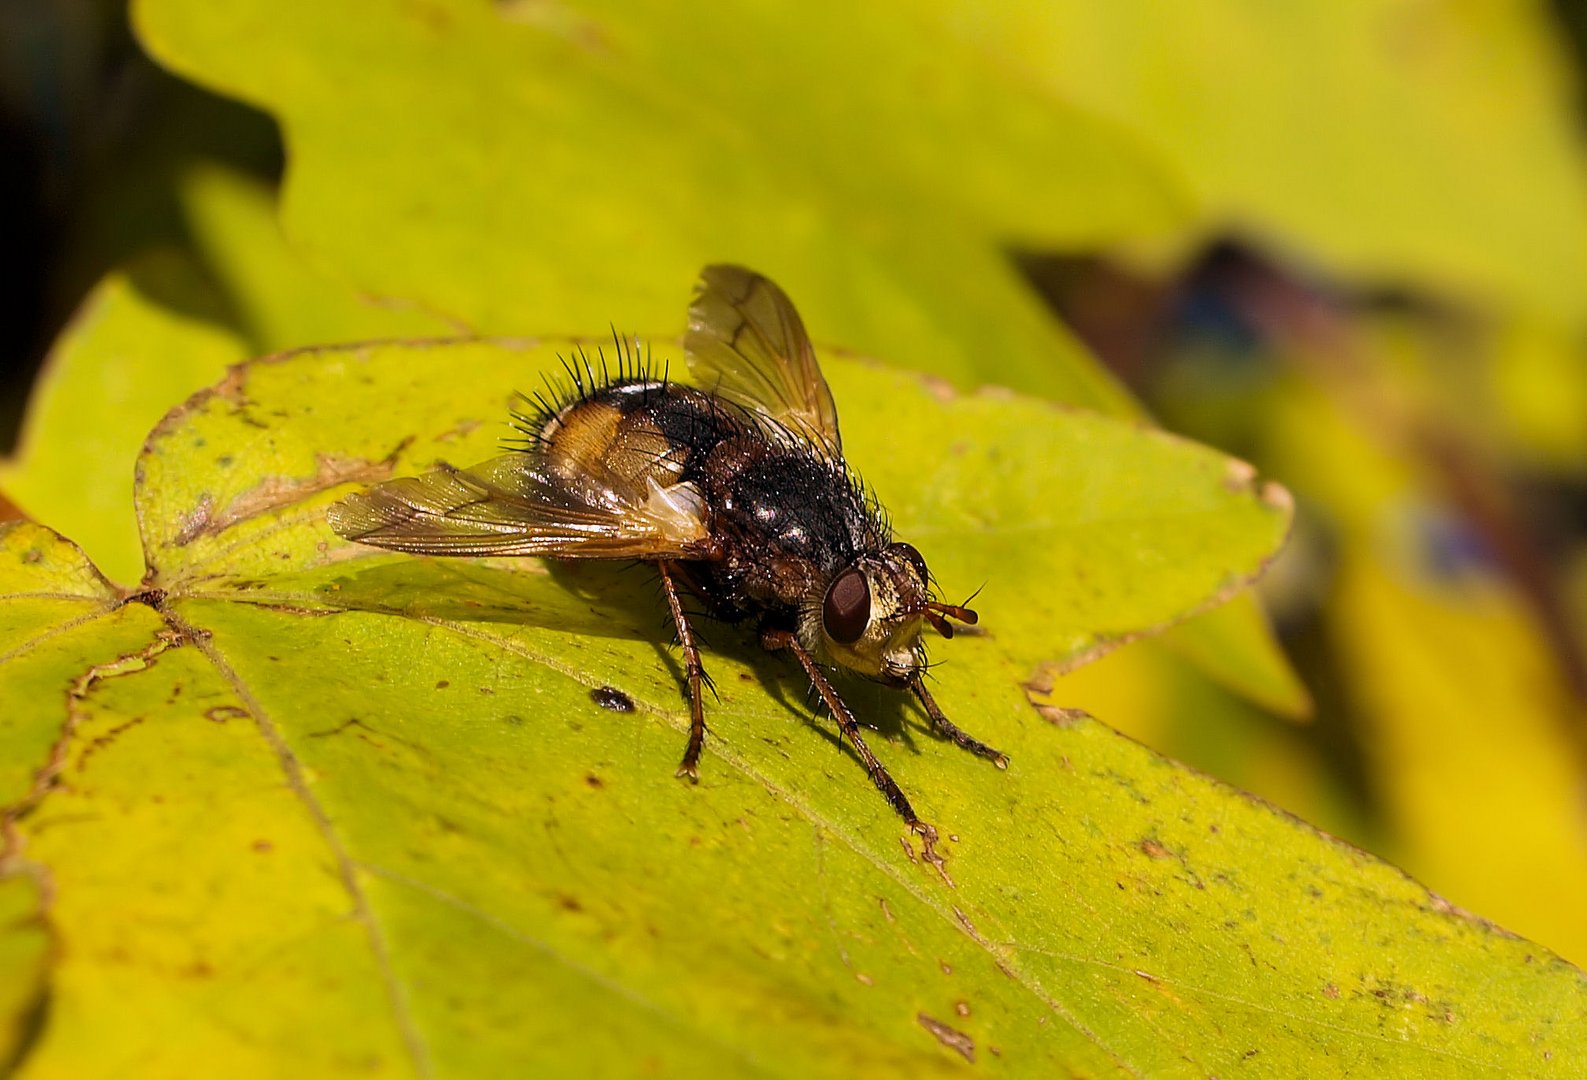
[951,731]
[695,671]
[775,640]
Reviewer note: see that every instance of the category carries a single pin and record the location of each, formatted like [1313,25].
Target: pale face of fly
[871,615]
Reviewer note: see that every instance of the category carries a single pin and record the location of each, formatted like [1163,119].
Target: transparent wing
[511,505]
[746,343]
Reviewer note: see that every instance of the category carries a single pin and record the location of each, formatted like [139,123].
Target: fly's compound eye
[847,610]
[914,558]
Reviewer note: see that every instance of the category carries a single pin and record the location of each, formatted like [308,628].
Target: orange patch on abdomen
[580,438]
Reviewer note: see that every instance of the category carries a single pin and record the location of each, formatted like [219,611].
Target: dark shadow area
[595,599]
[173,279]
[93,139]
[622,602]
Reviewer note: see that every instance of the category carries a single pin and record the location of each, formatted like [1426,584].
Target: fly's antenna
[937,614]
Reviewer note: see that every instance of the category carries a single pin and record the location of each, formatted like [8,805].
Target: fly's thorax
[788,502]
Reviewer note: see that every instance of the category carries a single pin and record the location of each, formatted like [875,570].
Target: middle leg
[693,669]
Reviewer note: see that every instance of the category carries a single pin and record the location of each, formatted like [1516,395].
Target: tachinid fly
[734,488]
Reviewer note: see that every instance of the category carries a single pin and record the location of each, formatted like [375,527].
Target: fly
[738,494]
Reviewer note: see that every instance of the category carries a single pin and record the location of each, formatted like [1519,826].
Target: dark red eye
[847,610]
[914,558]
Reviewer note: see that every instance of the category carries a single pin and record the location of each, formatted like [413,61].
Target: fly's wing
[746,344]
[511,505]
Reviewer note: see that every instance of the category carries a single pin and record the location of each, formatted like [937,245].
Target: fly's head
[870,617]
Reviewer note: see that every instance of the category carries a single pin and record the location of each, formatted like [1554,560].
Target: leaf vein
[105,608]
[347,869]
[1271,1010]
[612,986]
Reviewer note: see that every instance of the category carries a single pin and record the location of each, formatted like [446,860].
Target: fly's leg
[951,731]
[775,640]
[695,671]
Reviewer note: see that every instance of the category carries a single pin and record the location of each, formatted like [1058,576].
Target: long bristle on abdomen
[587,377]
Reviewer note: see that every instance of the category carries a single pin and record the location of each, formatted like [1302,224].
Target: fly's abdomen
[633,433]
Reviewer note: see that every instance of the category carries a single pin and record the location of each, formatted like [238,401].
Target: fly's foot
[928,848]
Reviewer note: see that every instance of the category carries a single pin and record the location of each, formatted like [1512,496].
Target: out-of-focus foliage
[1427,145]
[1347,242]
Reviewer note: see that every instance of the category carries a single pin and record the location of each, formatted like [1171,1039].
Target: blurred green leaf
[522,167]
[279,300]
[1466,721]
[1428,145]
[1235,647]
[314,808]
[1536,381]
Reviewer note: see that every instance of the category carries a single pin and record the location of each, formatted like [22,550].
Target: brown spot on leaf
[196,521]
[231,387]
[594,781]
[378,739]
[46,777]
[952,1038]
[222,713]
[458,430]
[864,979]
[1154,850]
[962,1008]
[1059,716]
[1238,475]
[1331,992]
[102,741]
[296,609]
[1277,496]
